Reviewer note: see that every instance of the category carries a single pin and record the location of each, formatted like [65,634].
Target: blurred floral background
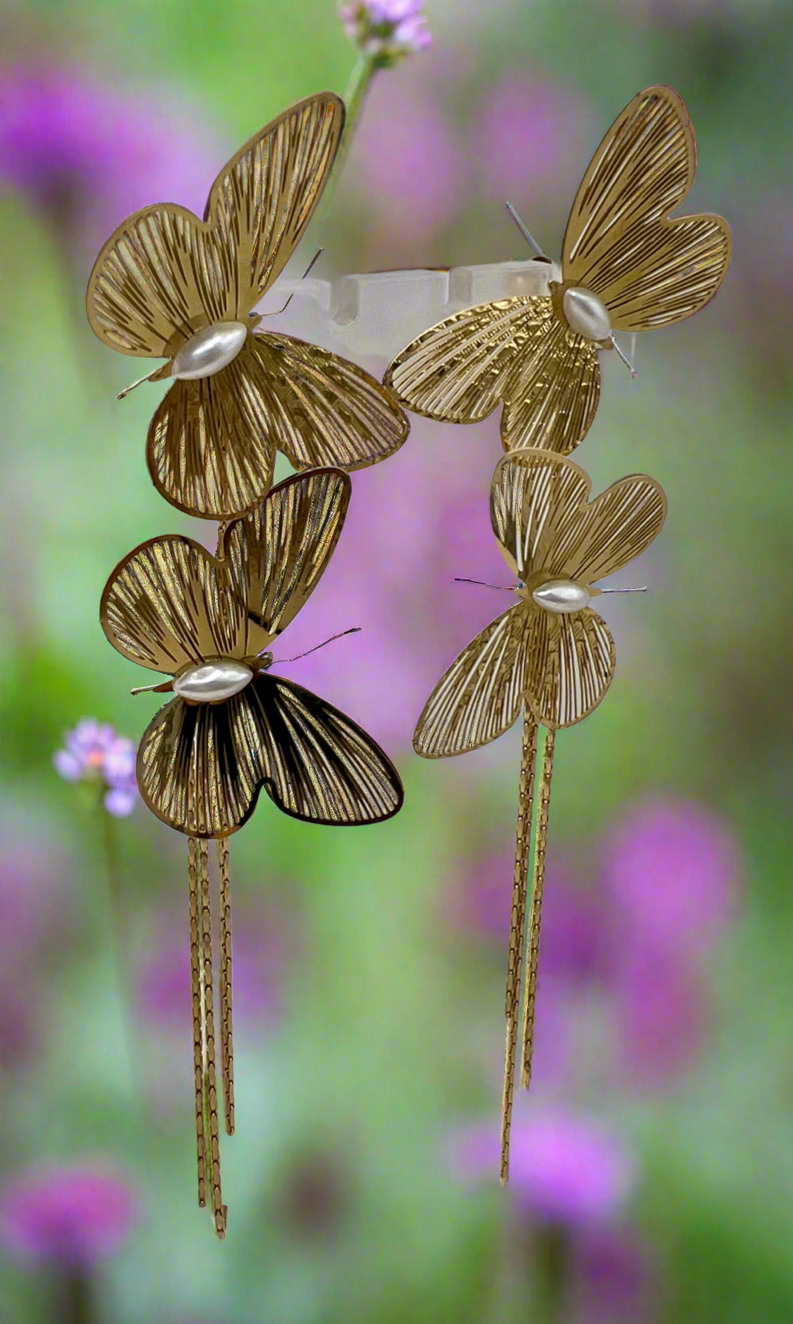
[653,1161]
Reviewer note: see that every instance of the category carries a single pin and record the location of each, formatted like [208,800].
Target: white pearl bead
[562,596]
[586,314]
[209,350]
[210,682]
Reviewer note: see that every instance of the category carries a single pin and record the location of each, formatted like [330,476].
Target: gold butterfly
[626,266]
[234,727]
[168,285]
[550,656]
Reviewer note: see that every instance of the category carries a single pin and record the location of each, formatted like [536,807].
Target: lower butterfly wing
[457,371]
[553,389]
[324,410]
[571,661]
[480,695]
[209,447]
[201,766]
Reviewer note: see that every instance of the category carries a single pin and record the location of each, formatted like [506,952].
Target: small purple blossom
[94,752]
[386,30]
[71,1216]
[565,1170]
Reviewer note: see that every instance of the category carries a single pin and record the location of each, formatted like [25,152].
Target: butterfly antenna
[624,358]
[355,629]
[505,588]
[157,689]
[643,589]
[139,382]
[526,232]
[309,268]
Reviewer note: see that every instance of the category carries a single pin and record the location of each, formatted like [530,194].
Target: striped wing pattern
[201,766]
[480,696]
[279,551]
[620,242]
[170,604]
[571,665]
[552,393]
[536,500]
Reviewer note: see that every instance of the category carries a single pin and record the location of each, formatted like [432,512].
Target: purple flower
[531,137]
[88,153]
[94,752]
[615,1278]
[660,1013]
[672,868]
[386,30]
[565,1170]
[71,1216]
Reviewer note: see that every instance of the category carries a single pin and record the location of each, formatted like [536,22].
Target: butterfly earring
[626,266]
[234,727]
[169,285]
[550,656]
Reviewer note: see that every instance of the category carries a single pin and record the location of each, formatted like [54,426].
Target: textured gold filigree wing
[279,551]
[571,661]
[169,604]
[552,393]
[164,274]
[480,695]
[201,766]
[209,450]
[536,499]
[613,529]
[457,371]
[264,197]
[620,242]
[324,409]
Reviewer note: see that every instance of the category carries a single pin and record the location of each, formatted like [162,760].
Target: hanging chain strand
[226,1034]
[518,916]
[198,1029]
[535,909]
[210,1082]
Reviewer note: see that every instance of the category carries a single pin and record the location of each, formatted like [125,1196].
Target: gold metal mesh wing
[481,694]
[620,242]
[169,604]
[553,389]
[201,766]
[535,503]
[571,662]
[279,551]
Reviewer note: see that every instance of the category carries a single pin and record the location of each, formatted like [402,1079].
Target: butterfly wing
[536,501]
[264,197]
[160,276]
[163,274]
[571,661]
[457,371]
[209,449]
[613,529]
[281,549]
[480,695]
[324,410]
[201,766]
[553,390]
[620,242]
[169,604]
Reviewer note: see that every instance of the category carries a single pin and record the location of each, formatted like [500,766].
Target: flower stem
[354,99]
[121,939]
[552,1276]
[72,1298]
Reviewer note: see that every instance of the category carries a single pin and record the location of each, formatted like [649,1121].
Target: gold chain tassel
[226,1034]
[522,839]
[209,1079]
[198,1019]
[535,909]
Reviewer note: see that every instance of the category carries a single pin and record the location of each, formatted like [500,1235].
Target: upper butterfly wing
[480,695]
[169,604]
[612,530]
[160,276]
[264,197]
[324,409]
[457,371]
[620,242]
[279,552]
[536,502]
[201,766]
[571,661]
